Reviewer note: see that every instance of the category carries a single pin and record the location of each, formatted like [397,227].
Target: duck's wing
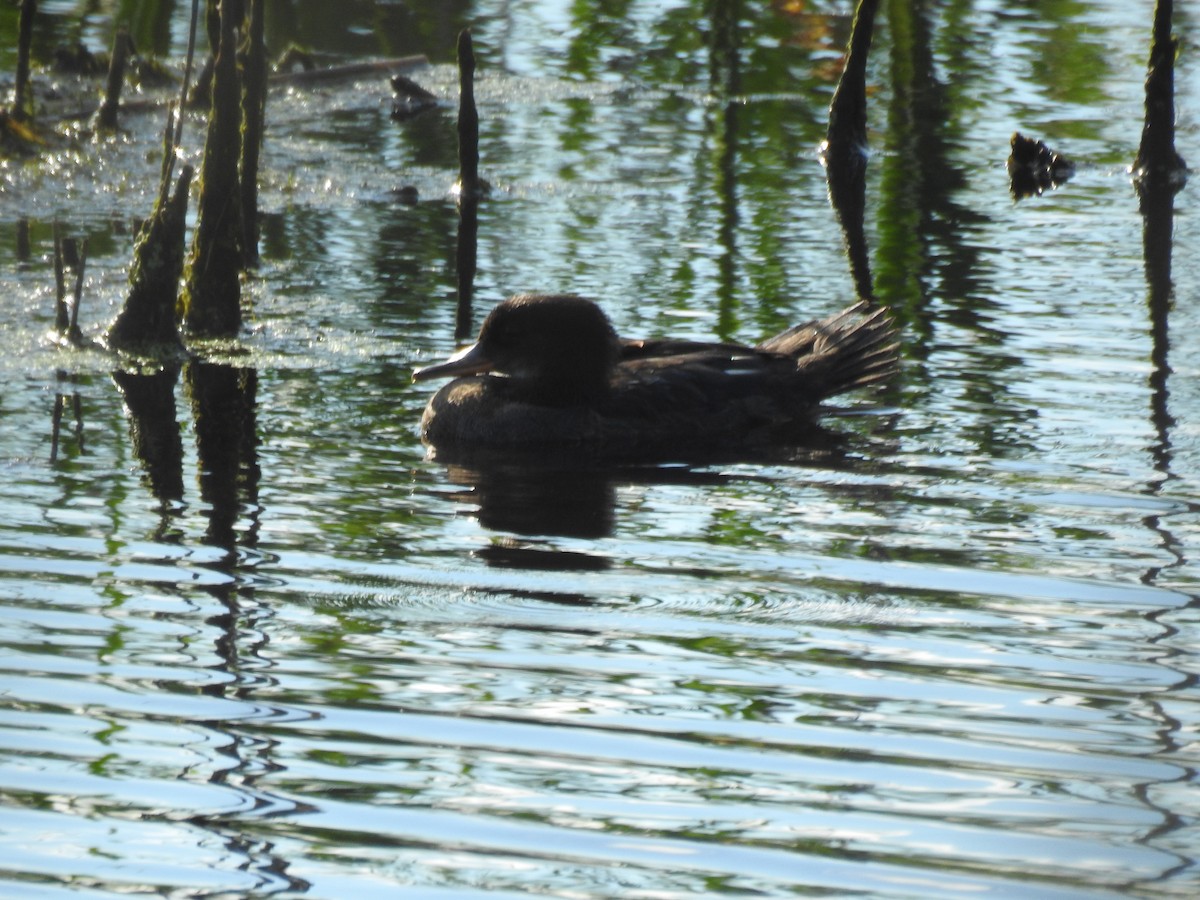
[671,349]
[713,391]
[849,349]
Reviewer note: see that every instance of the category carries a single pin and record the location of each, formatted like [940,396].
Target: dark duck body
[549,371]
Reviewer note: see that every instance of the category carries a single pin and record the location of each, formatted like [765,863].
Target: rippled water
[255,643]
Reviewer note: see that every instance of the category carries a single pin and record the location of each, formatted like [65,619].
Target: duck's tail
[850,349]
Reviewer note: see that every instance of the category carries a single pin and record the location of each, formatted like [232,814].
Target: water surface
[257,643]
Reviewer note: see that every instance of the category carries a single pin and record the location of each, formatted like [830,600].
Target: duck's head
[556,348]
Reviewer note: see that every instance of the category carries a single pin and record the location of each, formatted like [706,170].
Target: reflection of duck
[549,370]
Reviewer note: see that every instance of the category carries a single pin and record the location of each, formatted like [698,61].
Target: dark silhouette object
[410,98]
[470,187]
[1034,168]
[549,370]
[845,150]
[469,183]
[22,108]
[77,60]
[1157,158]
[106,115]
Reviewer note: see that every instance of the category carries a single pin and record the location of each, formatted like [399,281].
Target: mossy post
[254,105]
[147,322]
[106,115]
[22,109]
[212,297]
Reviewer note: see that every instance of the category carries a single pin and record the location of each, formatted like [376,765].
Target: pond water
[254,642]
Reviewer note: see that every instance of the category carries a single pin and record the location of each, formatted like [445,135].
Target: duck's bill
[468,361]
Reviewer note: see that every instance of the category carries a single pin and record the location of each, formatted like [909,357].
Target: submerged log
[212,297]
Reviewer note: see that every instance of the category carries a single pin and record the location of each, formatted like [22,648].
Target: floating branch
[351,70]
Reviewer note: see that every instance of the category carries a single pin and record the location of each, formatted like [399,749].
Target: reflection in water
[925,234]
[61,401]
[154,429]
[844,151]
[223,407]
[725,84]
[465,261]
[555,493]
[1157,201]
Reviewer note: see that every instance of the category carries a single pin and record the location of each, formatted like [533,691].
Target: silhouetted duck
[549,370]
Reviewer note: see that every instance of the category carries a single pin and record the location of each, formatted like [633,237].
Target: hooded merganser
[549,370]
